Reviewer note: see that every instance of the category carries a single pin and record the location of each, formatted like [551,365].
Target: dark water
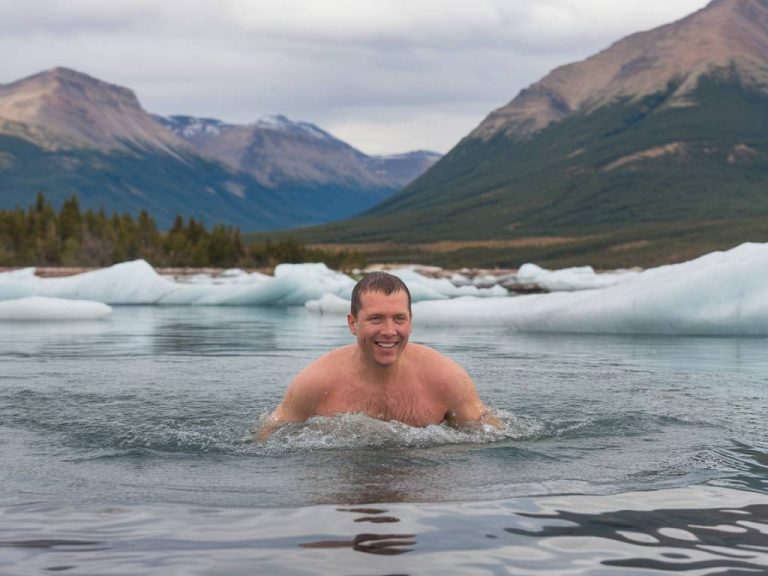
[125,450]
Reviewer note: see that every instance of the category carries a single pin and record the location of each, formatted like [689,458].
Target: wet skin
[383,376]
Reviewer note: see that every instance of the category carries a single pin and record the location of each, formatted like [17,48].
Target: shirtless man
[382,375]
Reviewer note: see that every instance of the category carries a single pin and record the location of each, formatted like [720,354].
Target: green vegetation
[631,183]
[70,237]
[166,183]
[126,181]
[644,245]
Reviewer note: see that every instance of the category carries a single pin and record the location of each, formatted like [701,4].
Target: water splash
[360,431]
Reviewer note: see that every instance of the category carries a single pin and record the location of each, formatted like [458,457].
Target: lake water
[125,450]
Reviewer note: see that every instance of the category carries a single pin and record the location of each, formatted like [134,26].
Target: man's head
[380,318]
[377,282]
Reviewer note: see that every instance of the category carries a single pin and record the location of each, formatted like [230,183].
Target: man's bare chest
[412,404]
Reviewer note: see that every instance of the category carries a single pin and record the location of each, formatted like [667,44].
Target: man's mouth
[386,345]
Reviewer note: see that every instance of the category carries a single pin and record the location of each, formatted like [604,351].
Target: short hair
[378,282]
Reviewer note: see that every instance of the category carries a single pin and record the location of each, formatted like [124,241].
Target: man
[382,375]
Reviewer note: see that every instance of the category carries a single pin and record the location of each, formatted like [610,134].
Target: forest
[41,236]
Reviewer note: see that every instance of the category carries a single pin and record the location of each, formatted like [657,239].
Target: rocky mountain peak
[726,34]
[82,111]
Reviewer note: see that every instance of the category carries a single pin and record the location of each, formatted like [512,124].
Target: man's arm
[300,403]
[466,408]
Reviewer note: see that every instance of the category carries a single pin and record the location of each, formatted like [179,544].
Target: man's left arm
[466,408]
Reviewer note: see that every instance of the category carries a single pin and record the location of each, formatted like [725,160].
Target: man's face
[382,326]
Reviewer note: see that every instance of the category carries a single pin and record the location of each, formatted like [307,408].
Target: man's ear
[352,323]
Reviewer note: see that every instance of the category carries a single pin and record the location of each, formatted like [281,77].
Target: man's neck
[378,374]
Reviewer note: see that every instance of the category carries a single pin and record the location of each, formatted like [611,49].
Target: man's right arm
[300,403]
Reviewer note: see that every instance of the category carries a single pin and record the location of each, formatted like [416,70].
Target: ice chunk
[723,293]
[138,283]
[126,283]
[425,288]
[42,308]
[229,276]
[329,304]
[720,293]
[581,278]
[18,283]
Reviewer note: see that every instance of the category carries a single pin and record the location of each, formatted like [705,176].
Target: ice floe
[40,308]
[291,285]
[720,293]
[569,279]
[425,288]
[138,283]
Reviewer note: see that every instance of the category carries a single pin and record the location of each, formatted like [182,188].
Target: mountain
[65,133]
[282,154]
[75,110]
[278,152]
[729,36]
[648,150]
[402,169]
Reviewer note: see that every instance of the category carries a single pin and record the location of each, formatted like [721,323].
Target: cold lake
[126,449]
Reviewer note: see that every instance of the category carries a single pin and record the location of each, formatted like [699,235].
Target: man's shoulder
[336,358]
[424,353]
[437,365]
[444,377]
[326,369]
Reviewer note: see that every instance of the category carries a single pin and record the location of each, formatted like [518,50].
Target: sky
[386,76]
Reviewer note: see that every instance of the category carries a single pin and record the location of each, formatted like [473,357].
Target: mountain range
[653,150]
[65,133]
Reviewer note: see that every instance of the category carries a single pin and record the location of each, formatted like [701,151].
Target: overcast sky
[384,75]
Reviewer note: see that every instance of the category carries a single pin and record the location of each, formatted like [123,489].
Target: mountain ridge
[640,64]
[268,150]
[83,111]
[64,132]
[602,174]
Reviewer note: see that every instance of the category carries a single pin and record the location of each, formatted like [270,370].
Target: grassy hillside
[630,183]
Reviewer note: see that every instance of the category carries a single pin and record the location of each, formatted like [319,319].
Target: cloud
[388,75]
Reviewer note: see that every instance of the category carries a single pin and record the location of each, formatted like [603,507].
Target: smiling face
[382,326]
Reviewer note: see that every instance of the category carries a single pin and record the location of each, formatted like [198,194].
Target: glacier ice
[568,279]
[722,293]
[44,309]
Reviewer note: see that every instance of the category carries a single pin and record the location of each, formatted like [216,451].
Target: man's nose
[389,327]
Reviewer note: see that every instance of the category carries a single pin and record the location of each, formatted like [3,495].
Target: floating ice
[18,283]
[138,283]
[722,293]
[568,279]
[230,276]
[41,308]
[292,285]
[329,304]
[424,288]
